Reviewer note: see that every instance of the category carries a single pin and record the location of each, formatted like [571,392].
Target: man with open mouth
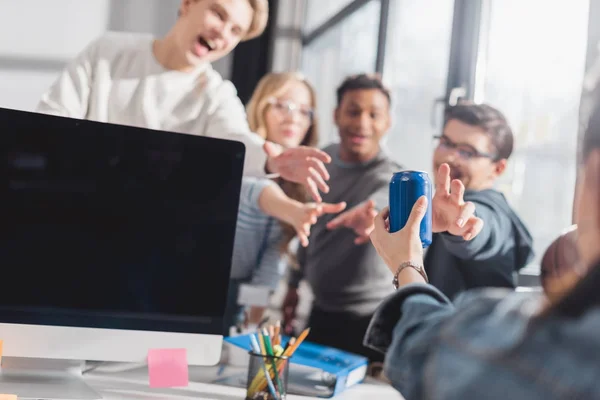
[169,84]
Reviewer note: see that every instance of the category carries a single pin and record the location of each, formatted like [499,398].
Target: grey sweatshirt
[345,277]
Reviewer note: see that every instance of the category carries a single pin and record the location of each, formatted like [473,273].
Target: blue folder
[338,369]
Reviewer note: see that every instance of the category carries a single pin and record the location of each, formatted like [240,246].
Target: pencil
[289,351]
[272,333]
[259,380]
[271,353]
[261,343]
[277,338]
[289,343]
[291,347]
[256,348]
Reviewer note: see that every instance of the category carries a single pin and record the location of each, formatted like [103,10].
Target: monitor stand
[32,378]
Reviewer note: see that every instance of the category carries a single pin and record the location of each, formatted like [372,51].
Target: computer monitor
[113,240]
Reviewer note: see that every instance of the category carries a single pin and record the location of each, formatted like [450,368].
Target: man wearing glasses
[476,143]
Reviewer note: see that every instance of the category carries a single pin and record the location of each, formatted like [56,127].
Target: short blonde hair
[259,19]
[272,85]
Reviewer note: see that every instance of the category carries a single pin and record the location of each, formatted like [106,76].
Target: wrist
[289,209]
[409,272]
[270,166]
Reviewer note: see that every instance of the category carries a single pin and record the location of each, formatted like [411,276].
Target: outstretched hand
[304,165]
[450,213]
[307,215]
[359,219]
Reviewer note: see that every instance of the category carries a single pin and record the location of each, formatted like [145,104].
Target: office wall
[38,37]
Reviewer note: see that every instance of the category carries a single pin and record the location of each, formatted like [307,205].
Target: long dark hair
[585,292]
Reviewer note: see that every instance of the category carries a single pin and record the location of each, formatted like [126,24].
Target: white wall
[38,37]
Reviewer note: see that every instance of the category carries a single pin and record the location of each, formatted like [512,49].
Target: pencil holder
[267,377]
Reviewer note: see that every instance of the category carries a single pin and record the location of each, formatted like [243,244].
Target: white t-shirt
[117,79]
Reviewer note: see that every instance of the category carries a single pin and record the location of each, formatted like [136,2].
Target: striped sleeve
[251,190]
[270,270]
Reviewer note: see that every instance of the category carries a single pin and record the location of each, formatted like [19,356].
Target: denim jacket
[488,345]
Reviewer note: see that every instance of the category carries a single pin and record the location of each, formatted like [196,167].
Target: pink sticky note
[168,368]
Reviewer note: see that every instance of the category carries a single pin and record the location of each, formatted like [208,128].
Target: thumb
[416,215]
[329,208]
[272,149]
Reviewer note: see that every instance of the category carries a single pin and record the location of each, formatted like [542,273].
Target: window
[319,11]
[348,48]
[416,68]
[535,77]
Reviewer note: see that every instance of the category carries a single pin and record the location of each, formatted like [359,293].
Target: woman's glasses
[285,107]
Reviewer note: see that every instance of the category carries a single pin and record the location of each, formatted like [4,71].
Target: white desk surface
[132,384]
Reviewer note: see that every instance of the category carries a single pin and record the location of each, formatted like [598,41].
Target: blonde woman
[272,213]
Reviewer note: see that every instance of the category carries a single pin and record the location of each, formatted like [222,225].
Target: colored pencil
[271,353]
[277,336]
[256,349]
[291,347]
[272,332]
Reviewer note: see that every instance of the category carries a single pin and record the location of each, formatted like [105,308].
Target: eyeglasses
[285,107]
[465,151]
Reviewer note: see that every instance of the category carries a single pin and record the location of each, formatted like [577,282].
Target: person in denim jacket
[493,343]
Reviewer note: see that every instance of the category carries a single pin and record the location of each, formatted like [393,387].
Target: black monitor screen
[108,226]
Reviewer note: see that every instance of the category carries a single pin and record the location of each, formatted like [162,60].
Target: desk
[132,384]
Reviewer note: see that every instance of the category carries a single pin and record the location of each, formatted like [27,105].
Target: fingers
[303,238]
[319,167]
[365,236]
[338,221]
[457,191]
[318,179]
[313,190]
[361,240]
[474,227]
[416,215]
[369,205]
[316,153]
[442,183]
[466,213]
[381,220]
[329,208]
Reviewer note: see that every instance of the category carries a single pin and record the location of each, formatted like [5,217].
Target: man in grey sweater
[346,275]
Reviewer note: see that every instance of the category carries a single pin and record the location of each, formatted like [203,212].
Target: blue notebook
[338,369]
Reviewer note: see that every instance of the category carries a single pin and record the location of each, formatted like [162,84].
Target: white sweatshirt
[117,79]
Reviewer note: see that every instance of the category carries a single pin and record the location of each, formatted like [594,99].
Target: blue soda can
[405,188]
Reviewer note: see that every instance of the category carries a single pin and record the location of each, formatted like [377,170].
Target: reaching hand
[304,165]
[450,213]
[306,216]
[404,245]
[359,219]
